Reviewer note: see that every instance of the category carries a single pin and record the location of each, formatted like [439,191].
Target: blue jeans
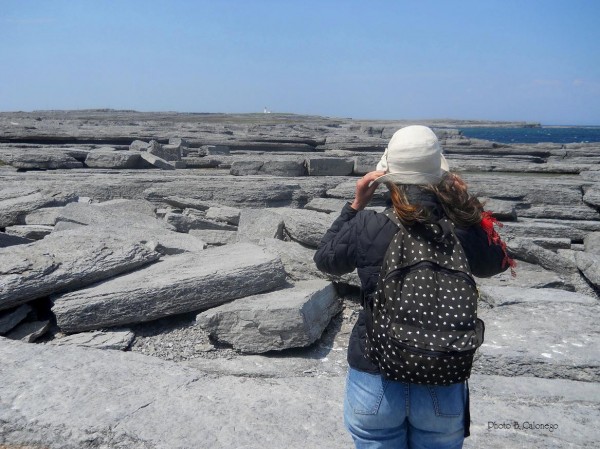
[386,414]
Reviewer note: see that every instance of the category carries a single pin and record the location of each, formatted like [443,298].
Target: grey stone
[112,159]
[226,214]
[139,145]
[9,319]
[29,332]
[212,150]
[30,232]
[589,264]
[40,160]
[18,202]
[306,226]
[154,403]
[502,210]
[592,243]
[552,243]
[529,401]
[156,161]
[288,318]
[116,213]
[529,275]
[178,284]
[184,222]
[10,240]
[66,260]
[268,167]
[498,296]
[215,237]
[535,336]
[256,224]
[171,152]
[118,339]
[529,228]
[559,211]
[202,162]
[326,205]
[329,166]
[299,265]
[592,196]
[527,250]
[45,216]
[365,163]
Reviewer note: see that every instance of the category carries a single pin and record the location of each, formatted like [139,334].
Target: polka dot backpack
[422,324]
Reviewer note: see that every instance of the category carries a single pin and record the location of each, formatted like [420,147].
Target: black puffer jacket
[359,239]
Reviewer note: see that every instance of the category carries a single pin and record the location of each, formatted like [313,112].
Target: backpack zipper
[431,353]
[434,267]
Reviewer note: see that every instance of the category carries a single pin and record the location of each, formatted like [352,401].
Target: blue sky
[534,60]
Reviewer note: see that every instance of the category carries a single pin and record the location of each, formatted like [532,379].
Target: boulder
[541,333]
[589,265]
[9,319]
[592,243]
[16,203]
[299,264]
[45,216]
[112,159]
[30,331]
[138,145]
[171,152]
[592,196]
[188,220]
[178,284]
[285,167]
[119,339]
[502,210]
[316,166]
[40,160]
[66,260]
[288,318]
[306,226]
[527,250]
[256,224]
[156,161]
[225,214]
[30,232]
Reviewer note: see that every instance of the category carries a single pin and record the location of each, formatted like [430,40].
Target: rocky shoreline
[180,246]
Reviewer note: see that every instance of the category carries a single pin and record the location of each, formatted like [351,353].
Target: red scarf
[487,223]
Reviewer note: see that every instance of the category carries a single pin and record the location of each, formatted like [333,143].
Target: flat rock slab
[154,404]
[287,318]
[113,159]
[589,264]
[535,334]
[14,209]
[66,260]
[40,160]
[305,226]
[124,400]
[30,232]
[118,339]
[592,243]
[567,407]
[178,284]
[10,319]
[526,249]
[257,224]
[29,332]
[529,276]
[44,216]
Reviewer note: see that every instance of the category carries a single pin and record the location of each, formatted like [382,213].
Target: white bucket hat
[413,156]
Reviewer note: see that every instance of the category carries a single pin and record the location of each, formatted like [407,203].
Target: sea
[553,134]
